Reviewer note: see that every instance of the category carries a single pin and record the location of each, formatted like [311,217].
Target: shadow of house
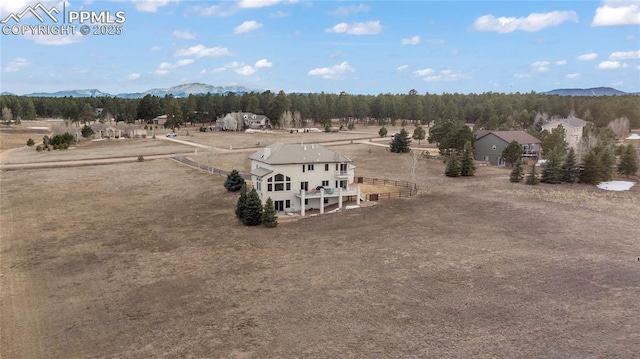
[102,130]
[137,133]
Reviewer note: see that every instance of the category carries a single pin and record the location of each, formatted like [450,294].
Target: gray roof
[260,172]
[282,153]
[571,121]
[508,136]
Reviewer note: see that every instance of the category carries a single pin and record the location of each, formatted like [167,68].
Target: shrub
[532,177]
[140,159]
[234,181]
[87,131]
[30,142]
[39,148]
[517,173]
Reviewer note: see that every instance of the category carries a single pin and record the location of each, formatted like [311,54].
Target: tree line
[489,110]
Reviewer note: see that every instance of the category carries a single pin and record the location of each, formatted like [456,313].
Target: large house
[238,121]
[489,145]
[300,177]
[573,129]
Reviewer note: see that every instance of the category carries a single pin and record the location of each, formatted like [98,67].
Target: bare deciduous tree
[620,126]
[414,162]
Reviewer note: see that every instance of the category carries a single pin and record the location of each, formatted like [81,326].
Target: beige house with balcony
[301,177]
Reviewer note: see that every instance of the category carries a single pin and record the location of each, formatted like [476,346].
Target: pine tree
[400,142]
[517,173]
[453,166]
[607,163]
[419,134]
[591,173]
[269,214]
[241,201]
[512,153]
[252,213]
[383,131]
[552,171]
[628,165]
[570,169]
[467,168]
[532,177]
[234,181]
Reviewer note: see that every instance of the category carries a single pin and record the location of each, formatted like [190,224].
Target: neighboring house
[490,144]
[573,129]
[238,121]
[102,130]
[160,120]
[300,177]
[98,111]
[137,133]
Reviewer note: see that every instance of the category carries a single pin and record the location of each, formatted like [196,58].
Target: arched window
[279,183]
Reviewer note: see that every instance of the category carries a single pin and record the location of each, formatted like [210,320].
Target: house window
[326,200]
[287,204]
[325,183]
[304,186]
[493,147]
[326,166]
[258,184]
[306,201]
[310,167]
[278,183]
[303,168]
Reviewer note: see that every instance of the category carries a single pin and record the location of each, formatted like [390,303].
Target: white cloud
[617,13]
[133,76]
[532,23]
[203,71]
[245,70]
[151,5]
[587,57]
[608,65]
[630,37]
[446,75]
[246,27]
[522,76]
[186,34]
[423,72]
[222,10]
[617,83]
[278,14]
[55,40]
[263,63]
[233,64]
[357,28]
[219,69]
[156,48]
[403,67]
[414,40]
[164,67]
[561,62]
[540,66]
[349,10]
[255,4]
[202,51]
[16,64]
[573,76]
[333,72]
[625,55]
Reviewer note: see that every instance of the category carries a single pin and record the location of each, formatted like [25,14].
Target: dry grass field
[146,259]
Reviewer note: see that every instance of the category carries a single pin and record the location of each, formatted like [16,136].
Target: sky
[360,47]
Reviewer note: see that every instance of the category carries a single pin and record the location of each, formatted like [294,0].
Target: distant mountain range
[197,88]
[177,91]
[595,91]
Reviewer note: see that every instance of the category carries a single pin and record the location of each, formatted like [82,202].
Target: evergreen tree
[570,169]
[512,153]
[419,134]
[383,131]
[241,202]
[252,213]
[628,165]
[453,166]
[532,177]
[400,142]
[607,163]
[591,173]
[269,214]
[234,181]
[467,168]
[552,172]
[517,173]
[87,131]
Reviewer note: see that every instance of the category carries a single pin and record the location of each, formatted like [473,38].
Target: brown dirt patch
[147,260]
